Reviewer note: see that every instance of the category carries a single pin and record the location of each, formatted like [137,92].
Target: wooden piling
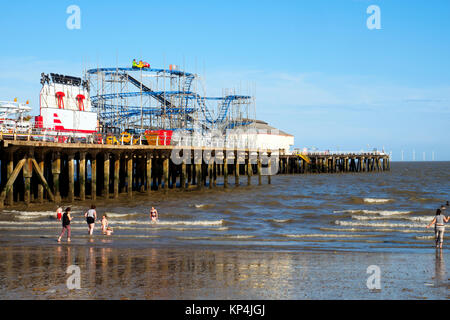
[149,172]
[236,168]
[259,168]
[116,174]
[82,178]
[225,171]
[166,173]
[9,172]
[27,174]
[130,175]
[106,167]
[71,165]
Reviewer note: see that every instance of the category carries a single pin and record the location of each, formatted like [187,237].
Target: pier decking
[35,172]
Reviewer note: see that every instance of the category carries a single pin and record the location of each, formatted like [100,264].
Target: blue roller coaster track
[99,101]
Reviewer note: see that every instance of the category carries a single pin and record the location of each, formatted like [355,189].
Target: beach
[303,237]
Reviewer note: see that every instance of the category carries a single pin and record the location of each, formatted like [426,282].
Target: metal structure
[144,98]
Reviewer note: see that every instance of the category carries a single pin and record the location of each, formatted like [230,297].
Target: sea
[309,236]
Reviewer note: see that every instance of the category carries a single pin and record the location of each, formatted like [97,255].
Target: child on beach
[105,229]
[66,218]
[59,212]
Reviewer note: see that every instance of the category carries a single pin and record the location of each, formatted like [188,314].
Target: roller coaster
[145,98]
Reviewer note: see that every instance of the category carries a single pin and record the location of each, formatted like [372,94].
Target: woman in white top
[91,216]
[439,228]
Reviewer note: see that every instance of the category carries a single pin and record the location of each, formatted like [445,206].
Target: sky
[315,68]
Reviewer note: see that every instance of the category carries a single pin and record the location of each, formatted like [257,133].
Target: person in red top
[59,212]
[153,215]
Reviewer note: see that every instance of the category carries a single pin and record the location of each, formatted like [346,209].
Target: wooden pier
[38,172]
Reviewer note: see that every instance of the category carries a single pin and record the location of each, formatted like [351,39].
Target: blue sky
[318,71]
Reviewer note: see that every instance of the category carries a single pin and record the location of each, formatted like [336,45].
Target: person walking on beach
[439,227]
[91,216]
[153,215]
[66,218]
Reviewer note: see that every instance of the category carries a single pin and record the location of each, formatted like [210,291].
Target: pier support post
[149,172]
[166,173]
[71,195]
[82,178]
[106,167]
[9,171]
[183,175]
[56,171]
[259,169]
[116,174]
[130,175]
[27,174]
[94,176]
[210,173]
[225,170]
[198,176]
[41,159]
[198,160]
[249,169]
[236,168]
[269,168]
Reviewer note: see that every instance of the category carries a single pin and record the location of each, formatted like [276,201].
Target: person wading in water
[66,218]
[439,227]
[91,216]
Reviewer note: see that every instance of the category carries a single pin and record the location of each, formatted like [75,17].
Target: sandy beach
[39,272]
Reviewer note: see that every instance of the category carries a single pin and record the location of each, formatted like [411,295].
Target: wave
[204,206]
[374,200]
[424,237]
[279,220]
[115,222]
[379,212]
[378,224]
[386,230]
[324,235]
[192,223]
[239,236]
[421,199]
[416,218]
[122,215]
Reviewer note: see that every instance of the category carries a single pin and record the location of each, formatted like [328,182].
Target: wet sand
[39,272]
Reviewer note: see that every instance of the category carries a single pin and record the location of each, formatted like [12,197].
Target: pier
[38,172]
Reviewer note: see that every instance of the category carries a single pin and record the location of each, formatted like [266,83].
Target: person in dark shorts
[91,216]
[66,218]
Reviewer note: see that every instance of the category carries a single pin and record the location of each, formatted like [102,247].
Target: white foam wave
[239,236]
[202,206]
[281,220]
[374,200]
[424,237]
[378,224]
[415,219]
[323,235]
[386,230]
[379,212]
[192,223]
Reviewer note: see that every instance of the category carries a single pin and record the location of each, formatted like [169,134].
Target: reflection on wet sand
[440,272]
[147,273]
[154,273]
